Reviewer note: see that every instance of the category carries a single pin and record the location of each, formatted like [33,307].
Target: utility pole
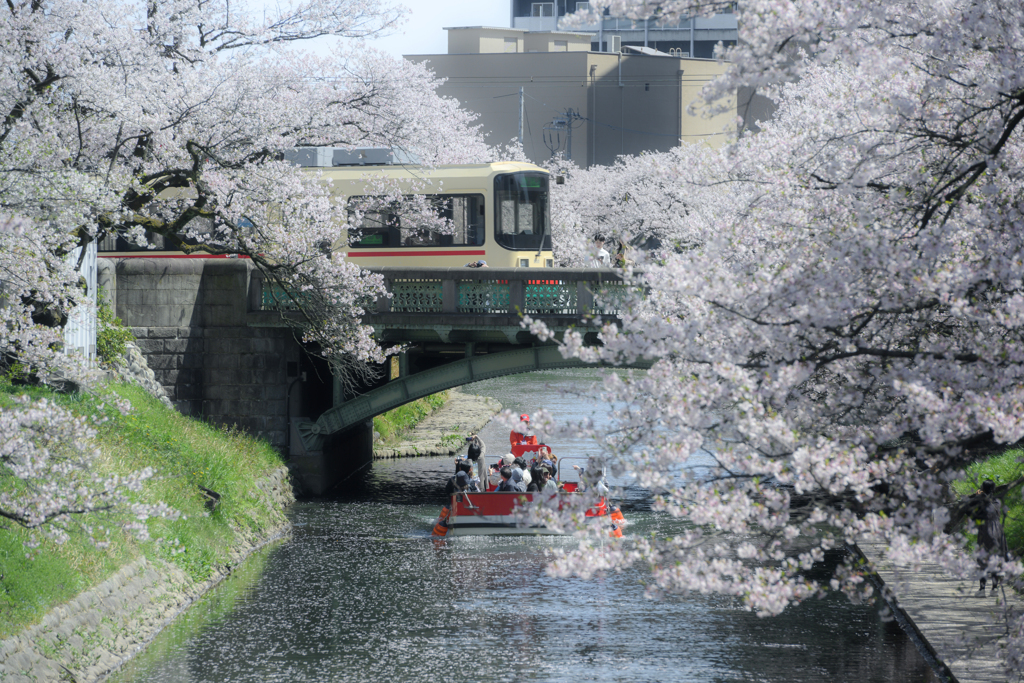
[562,123]
[522,109]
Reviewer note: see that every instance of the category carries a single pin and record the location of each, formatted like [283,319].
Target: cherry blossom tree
[168,120]
[844,338]
[639,201]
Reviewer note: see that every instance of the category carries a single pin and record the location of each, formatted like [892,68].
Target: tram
[496,213]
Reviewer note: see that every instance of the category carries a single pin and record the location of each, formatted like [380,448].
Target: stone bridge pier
[222,360]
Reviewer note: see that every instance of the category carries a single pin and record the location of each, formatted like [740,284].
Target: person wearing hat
[520,464]
[465,482]
[517,480]
[463,479]
[517,438]
[543,483]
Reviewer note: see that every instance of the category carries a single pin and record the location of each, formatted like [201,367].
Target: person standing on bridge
[601,257]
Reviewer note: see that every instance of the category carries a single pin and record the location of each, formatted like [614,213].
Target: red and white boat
[494,513]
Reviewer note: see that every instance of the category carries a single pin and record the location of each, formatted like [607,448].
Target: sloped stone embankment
[93,634]
[443,432]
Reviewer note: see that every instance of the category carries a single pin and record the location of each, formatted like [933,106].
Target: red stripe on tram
[148,255]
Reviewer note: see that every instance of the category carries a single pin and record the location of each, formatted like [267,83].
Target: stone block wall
[190,317]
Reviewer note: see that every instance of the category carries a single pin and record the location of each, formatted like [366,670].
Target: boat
[494,513]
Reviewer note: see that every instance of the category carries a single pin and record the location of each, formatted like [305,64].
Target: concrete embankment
[960,629]
[85,639]
[443,432]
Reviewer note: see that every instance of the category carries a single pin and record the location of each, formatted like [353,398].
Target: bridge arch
[409,388]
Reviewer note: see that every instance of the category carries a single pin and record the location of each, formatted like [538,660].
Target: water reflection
[361,593]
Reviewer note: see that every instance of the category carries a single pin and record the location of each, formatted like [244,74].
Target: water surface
[361,593]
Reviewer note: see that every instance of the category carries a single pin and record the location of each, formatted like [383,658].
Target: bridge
[213,333]
[462,325]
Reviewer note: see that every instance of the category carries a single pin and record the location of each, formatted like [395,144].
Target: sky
[423,31]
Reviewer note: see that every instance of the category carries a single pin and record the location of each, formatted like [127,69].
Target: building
[696,37]
[590,106]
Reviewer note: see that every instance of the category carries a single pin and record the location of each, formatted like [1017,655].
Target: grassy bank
[186,455]
[1002,469]
[394,423]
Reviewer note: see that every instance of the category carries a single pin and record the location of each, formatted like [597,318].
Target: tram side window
[465,214]
[522,218]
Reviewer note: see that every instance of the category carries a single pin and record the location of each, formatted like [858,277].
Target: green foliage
[455,439]
[394,423]
[112,336]
[186,454]
[1006,468]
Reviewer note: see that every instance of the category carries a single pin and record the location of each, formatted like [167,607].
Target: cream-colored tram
[497,213]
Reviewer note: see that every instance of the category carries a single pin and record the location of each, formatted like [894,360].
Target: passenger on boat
[592,477]
[464,482]
[517,438]
[517,480]
[551,462]
[477,448]
[506,480]
[543,483]
[493,479]
[463,479]
[474,480]
[520,464]
[534,473]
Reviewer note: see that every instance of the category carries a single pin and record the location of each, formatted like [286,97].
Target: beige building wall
[483,39]
[627,104]
[556,41]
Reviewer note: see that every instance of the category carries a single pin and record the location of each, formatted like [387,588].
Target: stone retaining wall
[101,628]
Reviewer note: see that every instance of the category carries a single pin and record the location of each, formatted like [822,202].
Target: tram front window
[522,220]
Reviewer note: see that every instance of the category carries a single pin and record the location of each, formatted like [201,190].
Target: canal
[361,593]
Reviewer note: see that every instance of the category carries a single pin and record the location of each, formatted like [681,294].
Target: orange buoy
[617,521]
[441,524]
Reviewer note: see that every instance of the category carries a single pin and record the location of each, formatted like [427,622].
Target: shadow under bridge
[462,325]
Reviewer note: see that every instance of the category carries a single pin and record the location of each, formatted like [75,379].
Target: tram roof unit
[453,177]
[339,158]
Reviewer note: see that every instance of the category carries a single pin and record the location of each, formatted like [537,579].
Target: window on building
[561,46]
[543,9]
[582,7]
[511,45]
